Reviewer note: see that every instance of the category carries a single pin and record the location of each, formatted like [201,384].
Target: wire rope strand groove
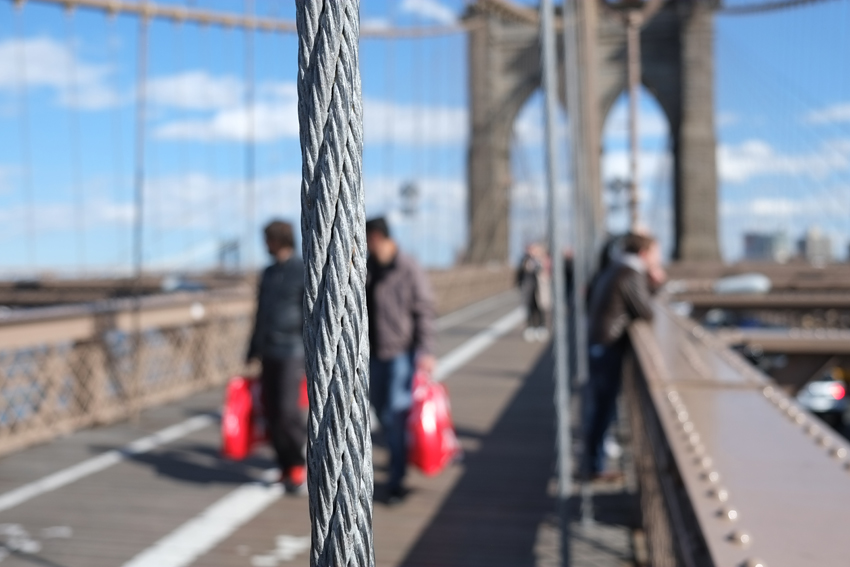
[330,115]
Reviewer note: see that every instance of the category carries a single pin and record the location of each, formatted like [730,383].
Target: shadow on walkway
[491,517]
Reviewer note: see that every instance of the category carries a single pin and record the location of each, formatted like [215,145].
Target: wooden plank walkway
[495,508]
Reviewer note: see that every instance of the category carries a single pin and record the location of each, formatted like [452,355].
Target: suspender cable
[24,132]
[333,229]
[122,243]
[250,161]
[633,25]
[582,184]
[560,344]
[74,149]
[139,201]
[389,109]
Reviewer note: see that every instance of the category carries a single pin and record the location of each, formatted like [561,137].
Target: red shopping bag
[243,425]
[432,440]
[237,420]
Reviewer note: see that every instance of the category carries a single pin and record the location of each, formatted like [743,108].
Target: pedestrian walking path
[155,492]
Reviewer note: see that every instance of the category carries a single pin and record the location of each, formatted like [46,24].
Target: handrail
[762,478]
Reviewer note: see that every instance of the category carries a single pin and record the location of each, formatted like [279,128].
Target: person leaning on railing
[621,294]
[278,343]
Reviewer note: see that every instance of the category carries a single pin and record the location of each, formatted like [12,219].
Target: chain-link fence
[52,384]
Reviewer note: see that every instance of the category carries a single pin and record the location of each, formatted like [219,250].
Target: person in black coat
[278,343]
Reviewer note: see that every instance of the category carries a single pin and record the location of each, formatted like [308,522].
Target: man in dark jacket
[401,337]
[621,294]
[278,343]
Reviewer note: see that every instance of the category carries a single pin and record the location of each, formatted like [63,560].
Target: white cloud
[272,121]
[811,205]
[412,124]
[196,90]
[8,176]
[723,119]
[615,165]
[276,115]
[831,114]
[42,62]
[429,9]
[651,124]
[752,158]
[374,24]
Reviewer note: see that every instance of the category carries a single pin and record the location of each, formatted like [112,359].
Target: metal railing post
[560,343]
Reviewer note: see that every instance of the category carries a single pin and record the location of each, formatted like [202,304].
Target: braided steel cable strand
[330,114]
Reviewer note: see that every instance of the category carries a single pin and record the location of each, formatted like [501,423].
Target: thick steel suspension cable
[339,449]
[177,13]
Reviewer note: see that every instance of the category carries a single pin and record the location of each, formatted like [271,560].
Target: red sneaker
[296,478]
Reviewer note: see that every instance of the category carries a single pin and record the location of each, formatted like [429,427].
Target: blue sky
[67,125]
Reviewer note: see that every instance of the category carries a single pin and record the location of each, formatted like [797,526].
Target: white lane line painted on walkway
[104,461]
[474,346]
[202,533]
[461,316]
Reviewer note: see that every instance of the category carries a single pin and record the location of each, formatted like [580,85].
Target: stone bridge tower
[678,69]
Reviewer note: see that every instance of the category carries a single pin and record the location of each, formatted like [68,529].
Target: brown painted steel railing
[731,470]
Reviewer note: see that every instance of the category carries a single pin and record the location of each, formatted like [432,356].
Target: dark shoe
[609,477]
[295,480]
[396,495]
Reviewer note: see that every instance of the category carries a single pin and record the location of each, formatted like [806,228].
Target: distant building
[815,247]
[766,247]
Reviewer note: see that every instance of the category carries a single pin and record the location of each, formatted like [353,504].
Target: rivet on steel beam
[783,404]
[703,462]
[673,396]
[811,429]
[768,391]
[753,562]
[824,441]
[683,416]
[693,438]
[728,514]
[712,476]
[720,494]
[740,538]
[800,419]
[792,411]
[698,449]
[838,452]
[688,426]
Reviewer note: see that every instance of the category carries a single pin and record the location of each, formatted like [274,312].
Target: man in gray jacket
[621,294]
[277,341]
[401,335]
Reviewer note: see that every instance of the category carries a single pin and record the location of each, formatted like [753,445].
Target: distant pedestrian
[401,334]
[278,343]
[534,283]
[622,294]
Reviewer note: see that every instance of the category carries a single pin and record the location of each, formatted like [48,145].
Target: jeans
[391,394]
[286,426]
[600,402]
